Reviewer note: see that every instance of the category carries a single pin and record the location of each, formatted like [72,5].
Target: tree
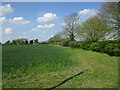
[36,40]
[110,11]
[55,39]
[71,24]
[93,29]
[14,42]
[7,43]
[31,41]
[26,41]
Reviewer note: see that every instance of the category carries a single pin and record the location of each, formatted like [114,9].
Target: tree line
[22,41]
[93,34]
[104,25]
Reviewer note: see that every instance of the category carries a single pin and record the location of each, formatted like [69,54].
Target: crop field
[44,66]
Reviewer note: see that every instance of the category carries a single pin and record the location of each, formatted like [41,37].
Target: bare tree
[71,25]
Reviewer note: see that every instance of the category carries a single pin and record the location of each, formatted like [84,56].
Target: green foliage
[84,45]
[31,41]
[55,40]
[36,40]
[13,42]
[111,47]
[73,44]
[45,42]
[95,47]
[26,42]
[64,42]
[110,11]
[7,43]
[93,29]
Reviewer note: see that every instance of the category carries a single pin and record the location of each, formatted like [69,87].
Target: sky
[40,20]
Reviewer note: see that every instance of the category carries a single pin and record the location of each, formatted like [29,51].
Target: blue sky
[40,20]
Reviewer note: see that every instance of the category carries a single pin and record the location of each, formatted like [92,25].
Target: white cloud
[44,31]
[43,27]
[46,26]
[91,12]
[25,33]
[86,13]
[35,29]
[25,22]
[5,9]
[15,20]
[18,19]
[63,24]
[3,19]
[47,18]
[8,31]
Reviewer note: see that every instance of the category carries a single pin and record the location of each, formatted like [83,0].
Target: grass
[43,66]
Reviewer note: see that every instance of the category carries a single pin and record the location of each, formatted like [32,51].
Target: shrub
[95,47]
[111,47]
[7,43]
[65,43]
[44,42]
[83,45]
[36,40]
[26,42]
[73,44]
[31,41]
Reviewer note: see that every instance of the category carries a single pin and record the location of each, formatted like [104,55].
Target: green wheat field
[44,66]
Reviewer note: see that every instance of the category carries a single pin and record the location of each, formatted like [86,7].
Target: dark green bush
[85,45]
[44,42]
[73,44]
[95,47]
[31,41]
[65,43]
[111,47]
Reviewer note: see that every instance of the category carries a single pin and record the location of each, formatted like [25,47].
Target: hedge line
[111,47]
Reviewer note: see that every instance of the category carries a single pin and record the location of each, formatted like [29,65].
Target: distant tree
[55,39]
[8,42]
[26,41]
[31,41]
[36,40]
[93,29]
[44,42]
[13,42]
[72,23]
[110,11]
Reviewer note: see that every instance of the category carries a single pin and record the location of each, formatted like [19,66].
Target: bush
[26,42]
[65,43]
[7,43]
[95,47]
[111,47]
[31,41]
[44,42]
[85,45]
[73,44]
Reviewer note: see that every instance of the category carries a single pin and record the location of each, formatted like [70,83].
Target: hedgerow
[111,47]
